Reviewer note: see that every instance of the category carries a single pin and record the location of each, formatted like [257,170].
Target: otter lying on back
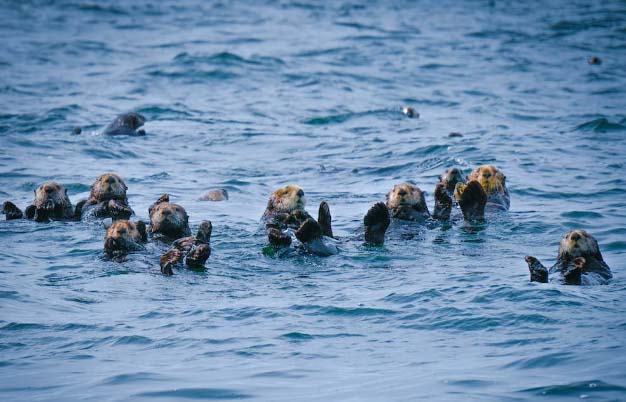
[107,199]
[123,237]
[579,262]
[51,203]
[486,188]
[168,219]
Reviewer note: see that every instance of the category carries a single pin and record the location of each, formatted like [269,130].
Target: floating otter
[486,188]
[51,203]
[218,194]
[285,213]
[123,237]
[193,250]
[579,262]
[126,124]
[410,112]
[168,219]
[107,199]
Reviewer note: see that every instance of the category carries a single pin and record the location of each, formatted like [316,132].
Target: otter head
[132,120]
[170,220]
[450,178]
[406,195]
[491,178]
[107,187]
[124,236]
[287,199]
[51,194]
[578,243]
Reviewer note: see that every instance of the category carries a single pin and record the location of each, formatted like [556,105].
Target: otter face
[132,120]
[169,219]
[287,199]
[124,236]
[578,243]
[450,178]
[406,195]
[51,193]
[491,178]
[109,186]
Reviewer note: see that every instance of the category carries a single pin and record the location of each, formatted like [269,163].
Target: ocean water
[250,96]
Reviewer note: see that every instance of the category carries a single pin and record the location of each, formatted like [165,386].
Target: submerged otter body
[579,262]
[51,203]
[107,199]
[285,218]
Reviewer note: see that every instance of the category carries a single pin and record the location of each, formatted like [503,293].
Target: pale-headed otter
[192,250]
[168,219]
[285,212]
[486,188]
[107,199]
[124,236]
[126,124]
[407,202]
[579,262]
[51,203]
[218,194]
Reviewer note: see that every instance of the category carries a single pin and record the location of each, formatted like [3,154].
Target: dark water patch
[601,125]
[579,389]
[582,215]
[132,340]
[225,59]
[343,311]
[129,378]
[196,393]
[543,361]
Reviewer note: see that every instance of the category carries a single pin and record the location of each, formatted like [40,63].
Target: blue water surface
[252,95]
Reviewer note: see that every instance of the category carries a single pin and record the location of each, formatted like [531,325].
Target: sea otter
[485,188]
[168,219]
[51,203]
[218,194]
[107,199]
[579,262]
[285,214]
[192,250]
[123,237]
[126,124]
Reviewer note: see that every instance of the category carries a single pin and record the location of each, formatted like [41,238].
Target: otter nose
[110,180]
[167,212]
[49,190]
[402,193]
[300,193]
[575,236]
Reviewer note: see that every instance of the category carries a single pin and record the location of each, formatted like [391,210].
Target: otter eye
[401,193]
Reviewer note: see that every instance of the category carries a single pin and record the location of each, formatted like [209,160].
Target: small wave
[575,389]
[196,393]
[601,125]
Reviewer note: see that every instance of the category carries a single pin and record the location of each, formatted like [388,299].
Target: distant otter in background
[218,194]
[107,199]
[123,237]
[168,219]
[126,124]
[51,203]
[579,262]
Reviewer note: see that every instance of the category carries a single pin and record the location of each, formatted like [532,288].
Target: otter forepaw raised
[443,203]
[11,211]
[472,199]
[309,231]
[376,222]
[324,219]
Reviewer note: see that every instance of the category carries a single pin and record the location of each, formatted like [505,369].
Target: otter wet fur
[168,219]
[51,204]
[285,211]
[107,199]
[579,262]
[193,251]
[123,237]
[126,124]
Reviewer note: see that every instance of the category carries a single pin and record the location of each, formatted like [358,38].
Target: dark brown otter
[579,262]
[126,124]
[168,219]
[192,250]
[107,199]
[51,203]
[124,236]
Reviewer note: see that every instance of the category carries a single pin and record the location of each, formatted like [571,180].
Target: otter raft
[312,201]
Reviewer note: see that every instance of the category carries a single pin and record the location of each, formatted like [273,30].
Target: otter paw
[443,203]
[11,211]
[198,256]
[309,230]
[472,199]
[538,273]
[117,210]
[324,219]
[573,274]
[376,222]
[169,259]
[277,238]
[204,232]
